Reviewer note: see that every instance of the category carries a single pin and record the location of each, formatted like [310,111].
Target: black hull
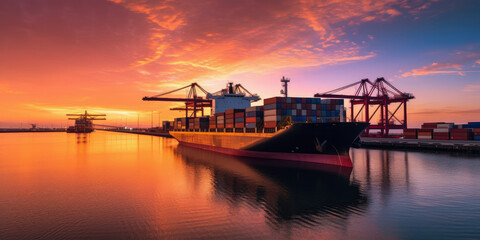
[312,138]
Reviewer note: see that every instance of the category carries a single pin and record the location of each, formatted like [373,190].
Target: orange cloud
[81,53]
[237,37]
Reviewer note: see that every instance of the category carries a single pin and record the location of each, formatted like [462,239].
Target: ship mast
[285,82]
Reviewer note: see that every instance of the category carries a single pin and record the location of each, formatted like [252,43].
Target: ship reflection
[307,195]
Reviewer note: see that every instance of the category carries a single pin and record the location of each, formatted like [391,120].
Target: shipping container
[445,125]
[410,133]
[441,135]
[441,130]
[254,109]
[461,134]
[431,125]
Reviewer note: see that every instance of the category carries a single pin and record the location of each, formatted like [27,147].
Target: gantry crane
[380,94]
[83,121]
[193,102]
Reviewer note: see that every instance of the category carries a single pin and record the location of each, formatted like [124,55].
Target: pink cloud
[217,38]
[472,88]
[436,68]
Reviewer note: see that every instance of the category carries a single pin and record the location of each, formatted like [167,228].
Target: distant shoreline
[16,130]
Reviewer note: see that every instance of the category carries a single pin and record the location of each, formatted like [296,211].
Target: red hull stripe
[343,161]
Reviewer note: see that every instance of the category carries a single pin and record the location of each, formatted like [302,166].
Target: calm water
[123,186]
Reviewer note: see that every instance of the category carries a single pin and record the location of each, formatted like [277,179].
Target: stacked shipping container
[475,127]
[442,131]
[240,119]
[254,117]
[182,123]
[212,122]
[411,133]
[230,116]
[461,134]
[445,131]
[220,120]
[201,123]
[425,133]
[310,110]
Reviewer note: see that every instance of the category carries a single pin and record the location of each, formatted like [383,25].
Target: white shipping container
[299,106]
[314,106]
[441,130]
[445,125]
[424,137]
[272,118]
[304,112]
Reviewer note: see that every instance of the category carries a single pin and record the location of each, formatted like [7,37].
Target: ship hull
[323,143]
[83,130]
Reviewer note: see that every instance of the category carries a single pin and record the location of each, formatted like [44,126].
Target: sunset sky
[67,56]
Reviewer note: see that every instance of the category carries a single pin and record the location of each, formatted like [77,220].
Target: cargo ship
[285,128]
[324,143]
[83,122]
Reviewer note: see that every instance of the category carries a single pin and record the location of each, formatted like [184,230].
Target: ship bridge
[233,96]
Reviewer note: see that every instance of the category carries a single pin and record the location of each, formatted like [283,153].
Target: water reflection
[108,185]
[305,195]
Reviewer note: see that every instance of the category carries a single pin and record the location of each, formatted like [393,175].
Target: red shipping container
[430,125]
[240,115]
[441,136]
[253,119]
[272,100]
[410,133]
[239,125]
[461,134]
[270,124]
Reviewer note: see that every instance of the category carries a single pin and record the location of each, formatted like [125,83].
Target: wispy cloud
[447,111]
[217,38]
[436,68]
[472,88]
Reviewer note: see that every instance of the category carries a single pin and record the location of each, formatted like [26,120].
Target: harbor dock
[141,132]
[20,130]
[421,144]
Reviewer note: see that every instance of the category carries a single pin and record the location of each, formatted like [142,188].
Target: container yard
[433,136]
